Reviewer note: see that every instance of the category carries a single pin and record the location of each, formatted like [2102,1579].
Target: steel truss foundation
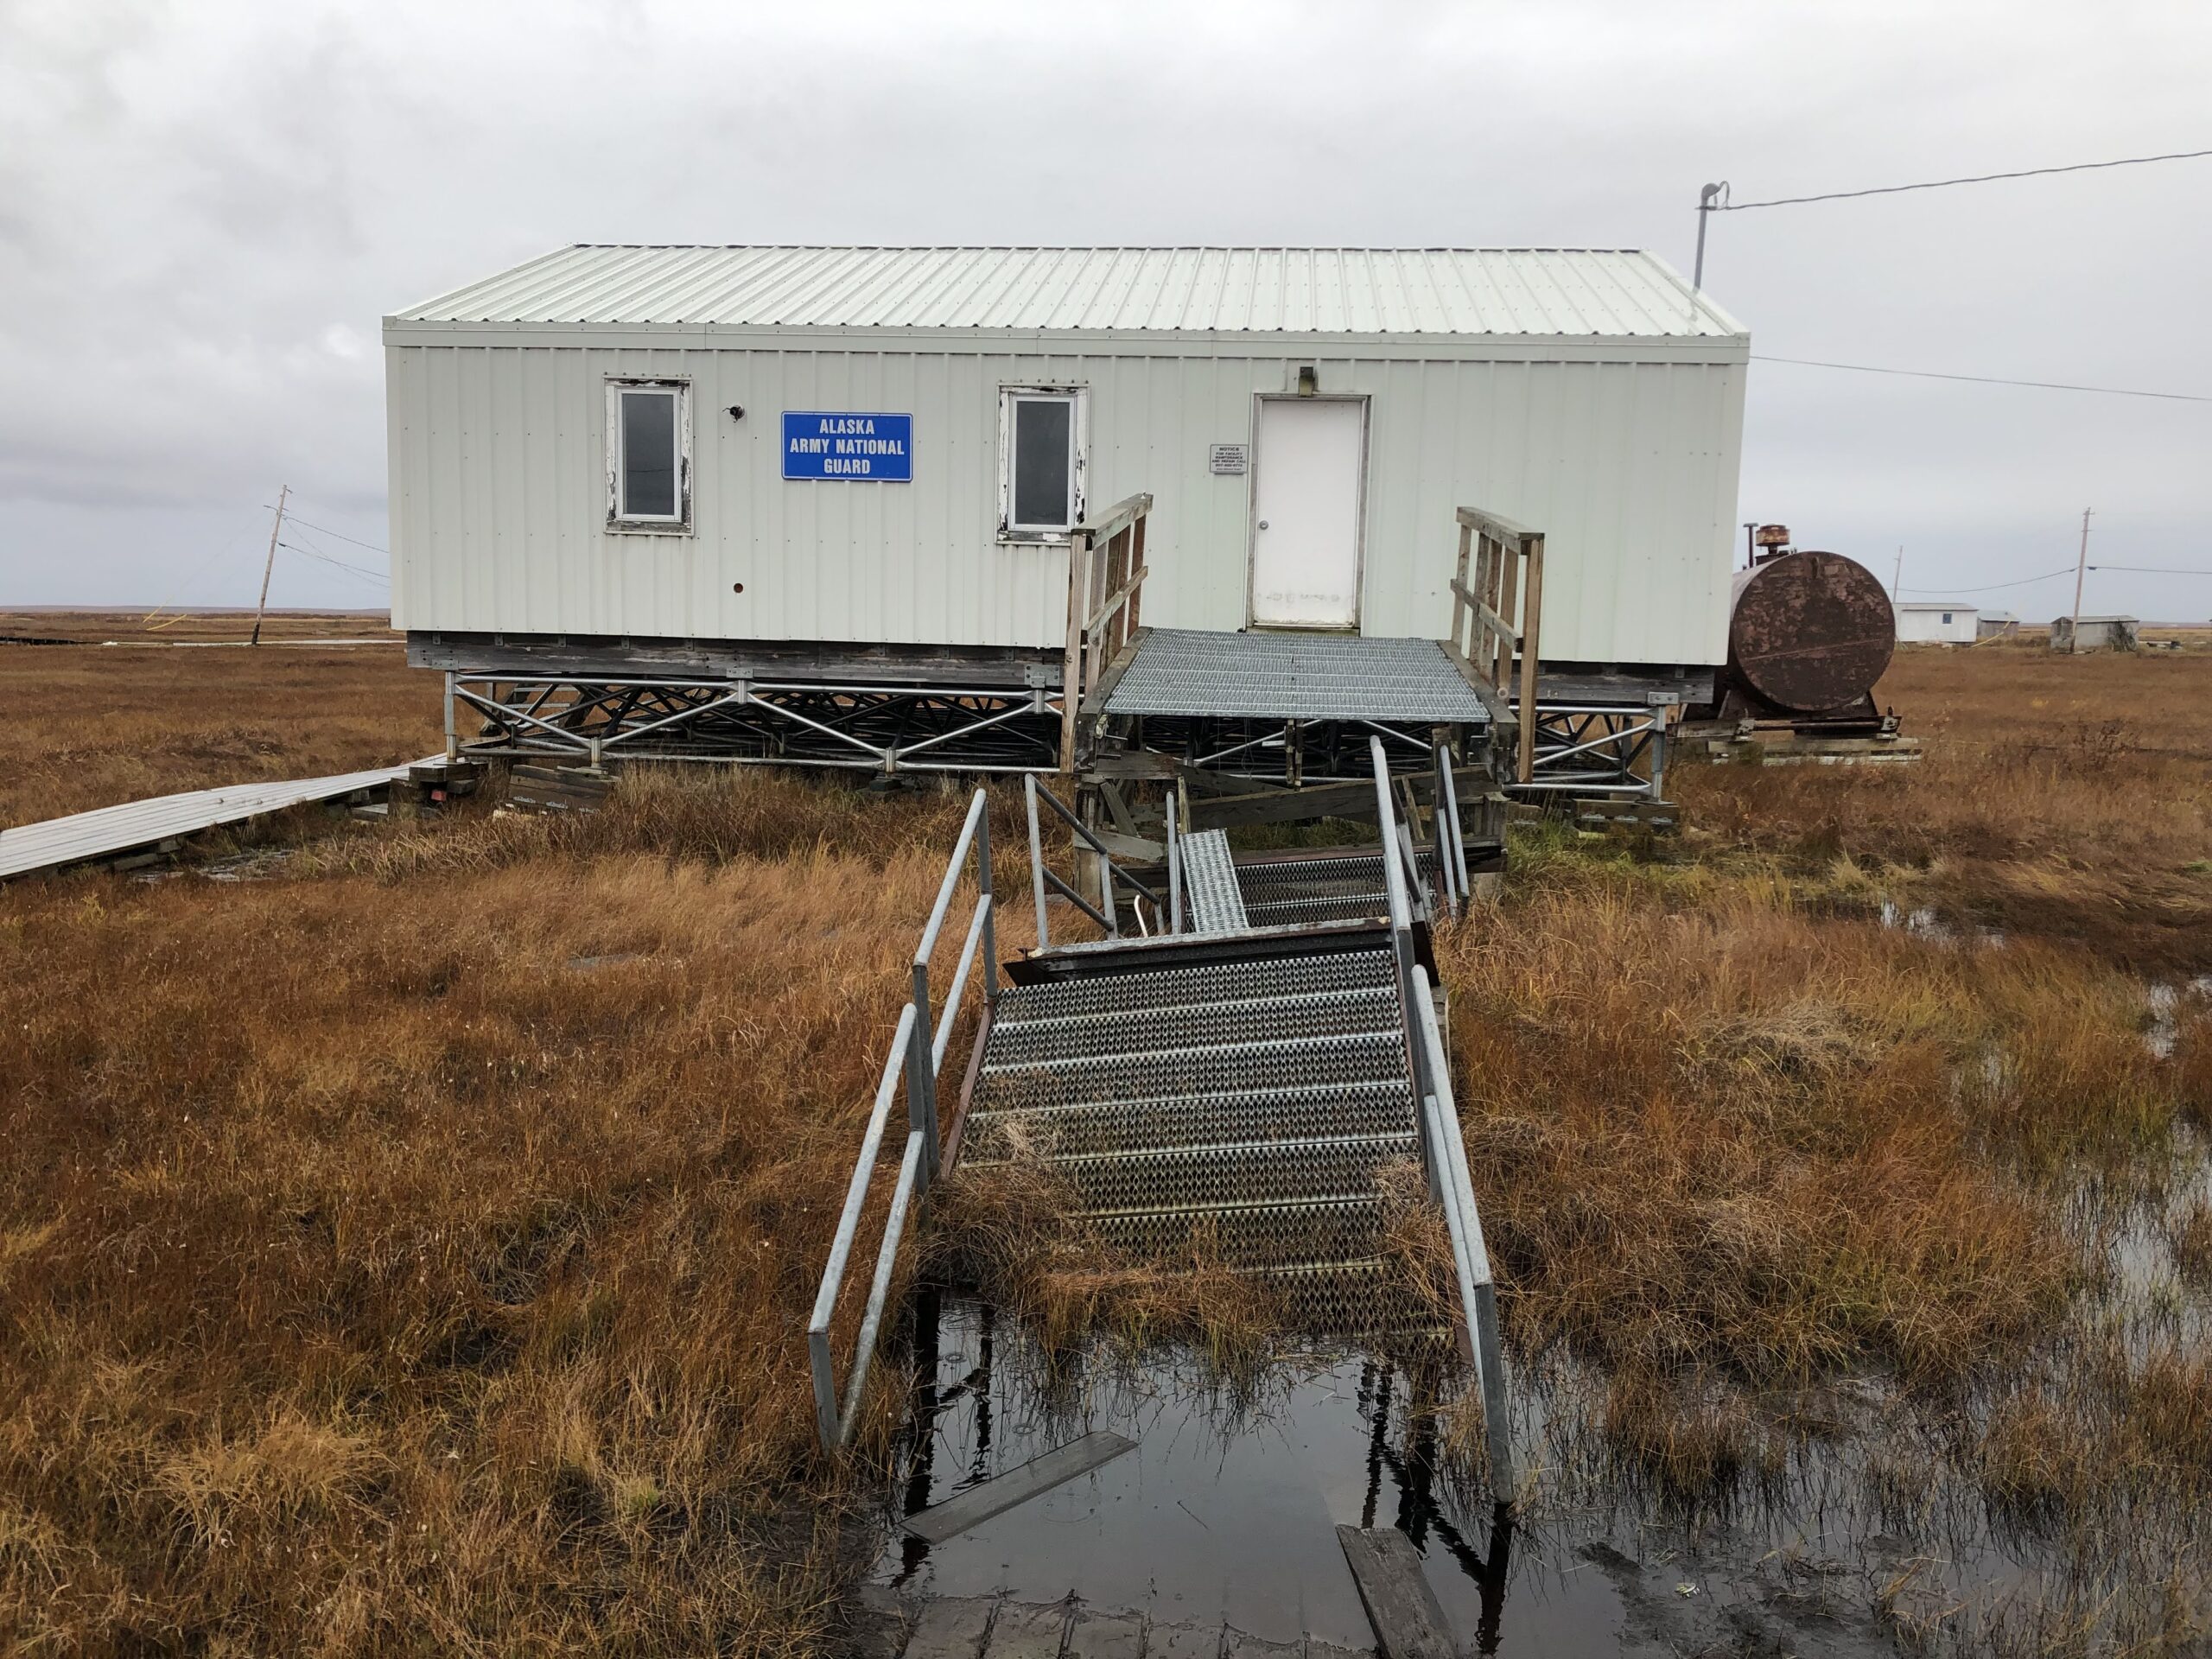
[1598,749]
[1292,751]
[856,727]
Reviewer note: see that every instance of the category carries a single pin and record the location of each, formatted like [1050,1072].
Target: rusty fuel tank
[1810,631]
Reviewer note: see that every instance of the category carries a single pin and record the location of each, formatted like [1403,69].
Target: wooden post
[1532,550]
[1479,639]
[282,496]
[1458,603]
[1071,669]
[1136,563]
[1509,582]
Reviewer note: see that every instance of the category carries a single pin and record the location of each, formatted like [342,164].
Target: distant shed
[2078,633]
[1996,624]
[698,458]
[1935,622]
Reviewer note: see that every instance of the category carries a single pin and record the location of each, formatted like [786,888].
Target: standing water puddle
[1223,1515]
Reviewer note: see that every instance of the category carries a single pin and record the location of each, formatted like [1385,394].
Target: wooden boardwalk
[978,1627]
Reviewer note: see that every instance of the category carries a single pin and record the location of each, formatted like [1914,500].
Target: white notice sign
[1226,457]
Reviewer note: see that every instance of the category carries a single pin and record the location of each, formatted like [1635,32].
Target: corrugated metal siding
[1549,292]
[498,493]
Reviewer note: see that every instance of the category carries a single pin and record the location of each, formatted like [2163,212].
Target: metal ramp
[1227,1087]
[1209,878]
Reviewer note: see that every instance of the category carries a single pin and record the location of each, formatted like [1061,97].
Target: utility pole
[1897,577]
[275,531]
[2081,564]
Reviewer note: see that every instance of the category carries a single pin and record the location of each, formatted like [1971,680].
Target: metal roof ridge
[1087,247]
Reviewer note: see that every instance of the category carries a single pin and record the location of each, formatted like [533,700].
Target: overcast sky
[206,208]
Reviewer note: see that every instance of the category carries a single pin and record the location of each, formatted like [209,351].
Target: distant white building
[2072,633]
[1934,623]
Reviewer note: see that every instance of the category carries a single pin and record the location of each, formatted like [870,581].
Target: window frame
[619,520]
[1010,399]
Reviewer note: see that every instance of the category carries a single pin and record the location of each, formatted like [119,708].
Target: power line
[317,549]
[372,576]
[340,535]
[1991,588]
[1944,184]
[1987,379]
[177,593]
[2151,569]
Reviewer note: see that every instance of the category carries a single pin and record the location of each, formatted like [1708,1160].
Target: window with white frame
[1042,439]
[649,454]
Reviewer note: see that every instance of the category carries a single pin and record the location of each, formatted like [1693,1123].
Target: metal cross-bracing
[1294,751]
[1598,749]
[887,729]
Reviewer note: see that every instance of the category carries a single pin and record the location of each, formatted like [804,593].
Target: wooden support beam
[1408,1621]
[1039,1475]
[1532,613]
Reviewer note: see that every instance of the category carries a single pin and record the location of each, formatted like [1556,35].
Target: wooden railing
[1483,631]
[1106,571]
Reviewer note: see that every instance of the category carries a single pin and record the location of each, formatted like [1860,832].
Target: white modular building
[1936,622]
[718,460]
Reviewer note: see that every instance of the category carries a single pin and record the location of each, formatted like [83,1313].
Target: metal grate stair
[1311,890]
[1240,1111]
[1209,874]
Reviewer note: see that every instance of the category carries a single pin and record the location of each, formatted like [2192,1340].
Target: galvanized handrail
[1443,1149]
[1447,817]
[1173,808]
[1106,914]
[920,1058]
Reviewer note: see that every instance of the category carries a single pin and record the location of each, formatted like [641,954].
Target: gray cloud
[204,208]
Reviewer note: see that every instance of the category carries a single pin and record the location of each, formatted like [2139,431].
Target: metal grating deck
[1294,677]
[1210,872]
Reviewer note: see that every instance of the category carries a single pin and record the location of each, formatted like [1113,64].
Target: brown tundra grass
[376,1277]
[92,726]
[377,1274]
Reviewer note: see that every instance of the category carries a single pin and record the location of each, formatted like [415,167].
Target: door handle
[1264,524]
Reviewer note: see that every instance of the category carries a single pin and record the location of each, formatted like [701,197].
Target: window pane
[648,455]
[1044,452]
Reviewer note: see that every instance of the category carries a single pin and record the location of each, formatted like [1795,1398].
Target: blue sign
[876,447]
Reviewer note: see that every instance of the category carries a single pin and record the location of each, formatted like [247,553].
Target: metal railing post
[1036,858]
[827,1419]
[990,905]
[1394,884]
[1477,1286]
[921,1076]
[1458,832]
[1658,752]
[453,731]
[1174,870]
[1106,897]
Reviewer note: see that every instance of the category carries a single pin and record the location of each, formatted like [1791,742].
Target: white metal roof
[1932,605]
[1598,293]
[111,829]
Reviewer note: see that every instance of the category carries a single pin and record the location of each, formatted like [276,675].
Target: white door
[1306,497]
